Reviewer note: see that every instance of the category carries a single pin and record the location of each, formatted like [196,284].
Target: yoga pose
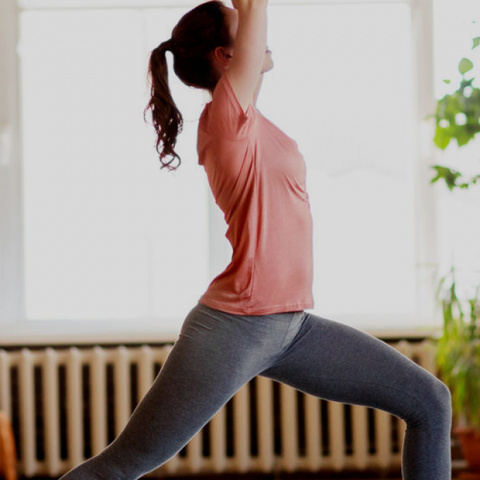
[252,319]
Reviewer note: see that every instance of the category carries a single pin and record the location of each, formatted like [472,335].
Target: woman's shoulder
[224,116]
[224,98]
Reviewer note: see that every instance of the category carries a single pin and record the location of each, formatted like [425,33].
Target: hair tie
[166,45]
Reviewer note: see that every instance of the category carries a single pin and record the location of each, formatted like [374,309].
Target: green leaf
[442,137]
[462,135]
[465,66]
[447,81]
[476,42]
[450,177]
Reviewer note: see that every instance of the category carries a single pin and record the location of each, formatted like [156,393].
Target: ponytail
[166,118]
[195,37]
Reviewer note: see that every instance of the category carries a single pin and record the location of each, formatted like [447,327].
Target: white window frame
[15,329]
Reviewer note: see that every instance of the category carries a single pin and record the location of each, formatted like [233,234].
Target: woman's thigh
[215,355]
[337,362]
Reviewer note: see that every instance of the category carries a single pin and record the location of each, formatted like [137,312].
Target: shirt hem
[224,307]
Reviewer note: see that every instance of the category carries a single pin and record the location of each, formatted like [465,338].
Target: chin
[267,68]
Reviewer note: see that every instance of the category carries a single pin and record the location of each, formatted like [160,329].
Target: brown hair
[195,37]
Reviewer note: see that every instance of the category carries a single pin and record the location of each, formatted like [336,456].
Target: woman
[251,320]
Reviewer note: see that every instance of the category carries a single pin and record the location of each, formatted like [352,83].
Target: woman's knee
[443,399]
[435,403]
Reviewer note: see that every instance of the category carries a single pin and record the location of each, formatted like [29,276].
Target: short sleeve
[224,114]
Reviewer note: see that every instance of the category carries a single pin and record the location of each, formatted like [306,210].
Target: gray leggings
[218,352]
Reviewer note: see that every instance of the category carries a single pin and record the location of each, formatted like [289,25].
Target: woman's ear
[223,57]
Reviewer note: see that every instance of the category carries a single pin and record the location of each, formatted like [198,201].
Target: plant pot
[469,439]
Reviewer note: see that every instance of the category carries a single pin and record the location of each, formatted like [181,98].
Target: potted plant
[457,117]
[458,360]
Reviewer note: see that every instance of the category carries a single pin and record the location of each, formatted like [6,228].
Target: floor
[267,477]
[295,476]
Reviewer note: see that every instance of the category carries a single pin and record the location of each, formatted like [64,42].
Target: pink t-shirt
[257,176]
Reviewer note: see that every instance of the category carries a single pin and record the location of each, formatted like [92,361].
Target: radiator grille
[68,404]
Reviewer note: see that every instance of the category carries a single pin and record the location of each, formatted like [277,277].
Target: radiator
[66,404]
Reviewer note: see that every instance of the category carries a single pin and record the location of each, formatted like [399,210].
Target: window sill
[36,333]
[42,333]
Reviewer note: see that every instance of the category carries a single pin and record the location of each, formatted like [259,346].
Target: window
[342,87]
[108,236]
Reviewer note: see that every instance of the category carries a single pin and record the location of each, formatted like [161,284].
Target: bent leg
[339,363]
[212,359]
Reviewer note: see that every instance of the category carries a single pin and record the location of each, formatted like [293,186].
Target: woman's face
[231,16]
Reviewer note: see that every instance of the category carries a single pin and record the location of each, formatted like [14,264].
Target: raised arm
[266,67]
[249,50]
